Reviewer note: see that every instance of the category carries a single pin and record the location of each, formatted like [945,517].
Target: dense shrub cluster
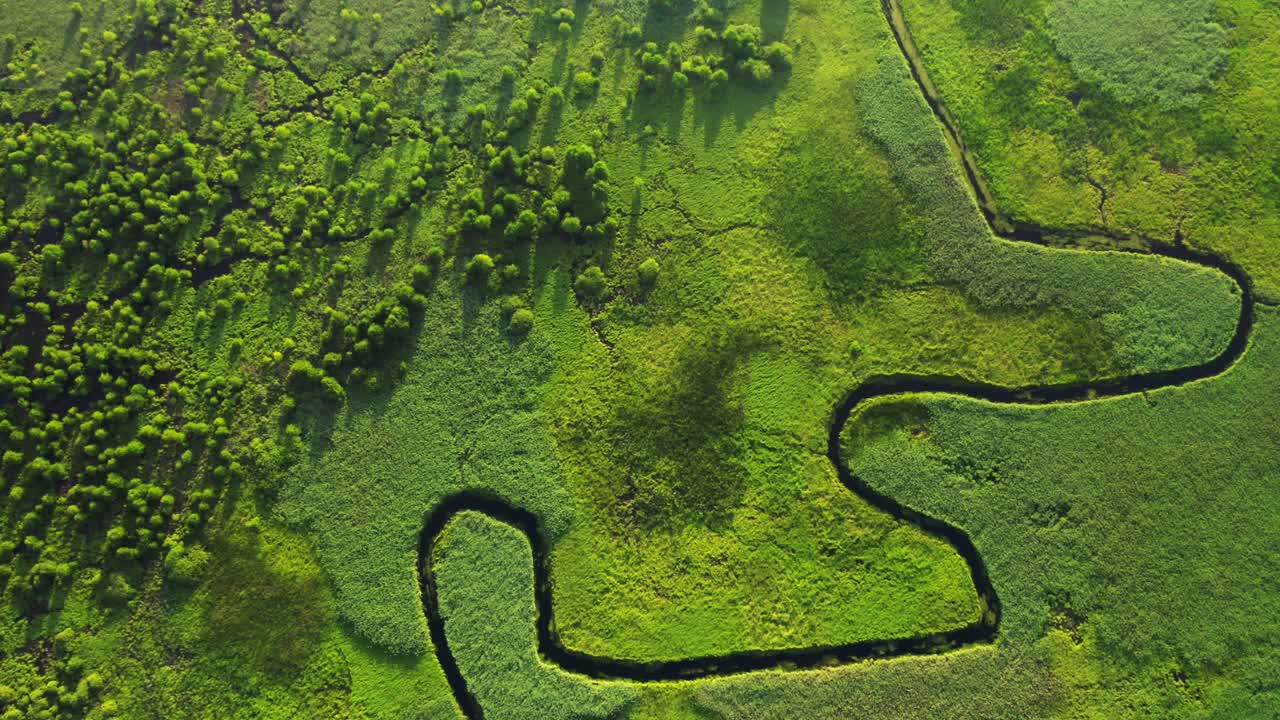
[719,53]
[148,180]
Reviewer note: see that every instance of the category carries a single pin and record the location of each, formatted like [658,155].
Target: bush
[648,272]
[590,283]
[421,277]
[585,84]
[521,321]
[187,566]
[118,590]
[480,266]
[435,256]
[759,71]
[742,41]
[778,55]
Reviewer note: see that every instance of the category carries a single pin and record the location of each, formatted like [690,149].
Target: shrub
[521,321]
[480,266]
[187,566]
[435,256]
[778,55]
[759,71]
[585,84]
[648,272]
[421,277]
[742,41]
[590,283]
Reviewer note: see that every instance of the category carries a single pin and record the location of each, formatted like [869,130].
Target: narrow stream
[986,628]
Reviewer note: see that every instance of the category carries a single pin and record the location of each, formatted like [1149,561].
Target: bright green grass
[448,426]
[695,449]
[1137,300]
[1049,139]
[484,572]
[678,469]
[1154,562]
[768,308]
[1134,590]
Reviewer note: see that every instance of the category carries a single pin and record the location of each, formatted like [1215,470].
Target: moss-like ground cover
[279,277]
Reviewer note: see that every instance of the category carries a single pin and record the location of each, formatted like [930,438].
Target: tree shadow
[676,438]
[774,15]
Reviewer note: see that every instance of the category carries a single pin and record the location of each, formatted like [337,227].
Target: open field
[809,367]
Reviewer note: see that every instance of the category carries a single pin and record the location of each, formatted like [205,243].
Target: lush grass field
[485,574]
[1147,580]
[1156,118]
[278,277]
[1111,609]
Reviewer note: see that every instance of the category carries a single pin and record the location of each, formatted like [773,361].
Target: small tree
[590,283]
[480,266]
[521,322]
[585,84]
[648,273]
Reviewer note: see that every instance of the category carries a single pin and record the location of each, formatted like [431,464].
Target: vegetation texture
[279,277]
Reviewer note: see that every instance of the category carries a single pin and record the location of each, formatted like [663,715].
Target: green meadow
[279,279]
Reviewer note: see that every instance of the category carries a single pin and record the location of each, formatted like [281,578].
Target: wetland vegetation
[639,359]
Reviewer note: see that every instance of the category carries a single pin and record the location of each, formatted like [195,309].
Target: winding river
[986,628]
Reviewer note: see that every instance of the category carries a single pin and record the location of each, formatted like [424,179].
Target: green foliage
[585,84]
[1106,557]
[483,570]
[647,273]
[479,266]
[186,566]
[235,240]
[462,416]
[1133,298]
[1162,50]
[738,50]
[1057,147]
[521,322]
[590,283]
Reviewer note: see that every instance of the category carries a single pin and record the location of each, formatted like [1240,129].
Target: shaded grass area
[247,631]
